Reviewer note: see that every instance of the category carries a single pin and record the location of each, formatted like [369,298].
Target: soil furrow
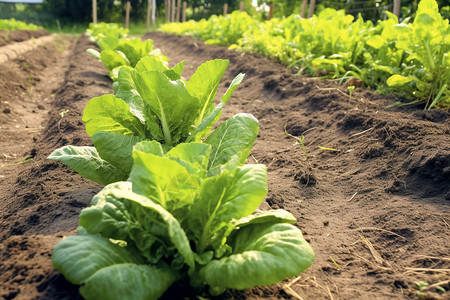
[42,199]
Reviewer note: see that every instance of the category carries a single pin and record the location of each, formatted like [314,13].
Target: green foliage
[117,51]
[12,25]
[100,30]
[175,220]
[154,103]
[426,44]
[217,30]
[408,59]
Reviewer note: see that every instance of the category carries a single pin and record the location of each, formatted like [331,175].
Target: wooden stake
[225,9]
[241,6]
[312,6]
[172,16]
[178,10]
[183,19]
[94,11]
[149,10]
[154,12]
[270,11]
[397,5]
[167,7]
[127,14]
[304,5]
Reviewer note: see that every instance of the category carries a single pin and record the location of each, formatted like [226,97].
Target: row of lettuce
[410,59]
[180,204]
[13,24]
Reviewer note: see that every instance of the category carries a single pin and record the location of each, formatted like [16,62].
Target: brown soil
[8,37]
[375,209]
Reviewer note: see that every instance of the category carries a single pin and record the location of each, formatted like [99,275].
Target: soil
[370,188]
[8,37]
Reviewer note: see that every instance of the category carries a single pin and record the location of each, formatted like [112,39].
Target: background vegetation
[74,15]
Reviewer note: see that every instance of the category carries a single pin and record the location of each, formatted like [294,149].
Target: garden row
[12,31]
[188,210]
[410,59]
[13,24]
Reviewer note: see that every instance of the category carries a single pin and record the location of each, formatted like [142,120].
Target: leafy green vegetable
[102,29]
[12,24]
[409,59]
[172,221]
[153,102]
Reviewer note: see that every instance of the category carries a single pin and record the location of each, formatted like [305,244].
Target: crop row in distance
[410,59]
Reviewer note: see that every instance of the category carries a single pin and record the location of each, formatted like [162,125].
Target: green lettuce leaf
[116,149]
[120,214]
[234,137]
[110,114]
[128,282]
[266,216]
[79,257]
[204,83]
[167,104]
[112,59]
[206,124]
[223,198]
[87,162]
[263,254]
[164,181]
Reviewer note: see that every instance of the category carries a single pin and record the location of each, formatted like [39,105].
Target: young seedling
[298,141]
[351,88]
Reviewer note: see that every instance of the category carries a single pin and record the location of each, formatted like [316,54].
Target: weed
[351,88]
[63,113]
[298,140]
[421,285]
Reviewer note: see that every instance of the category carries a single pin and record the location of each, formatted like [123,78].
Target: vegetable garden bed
[370,188]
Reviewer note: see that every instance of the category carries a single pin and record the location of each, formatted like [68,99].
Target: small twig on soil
[427,270]
[356,193]
[294,281]
[26,125]
[436,284]
[254,158]
[446,223]
[375,266]
[361,133]
[281,151]
[322,287]
[291,292]
[374,252]
[432,257]
[374,228]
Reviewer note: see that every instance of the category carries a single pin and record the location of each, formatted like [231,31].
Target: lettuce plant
[102,29]
[426,74]
[153,102]
[176,220]
[119,52]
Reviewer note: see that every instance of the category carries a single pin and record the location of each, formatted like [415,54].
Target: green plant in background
[118,52]
[425,76]
[12,24]
[408,59]
[176,221]
[100,30]
[217,30]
